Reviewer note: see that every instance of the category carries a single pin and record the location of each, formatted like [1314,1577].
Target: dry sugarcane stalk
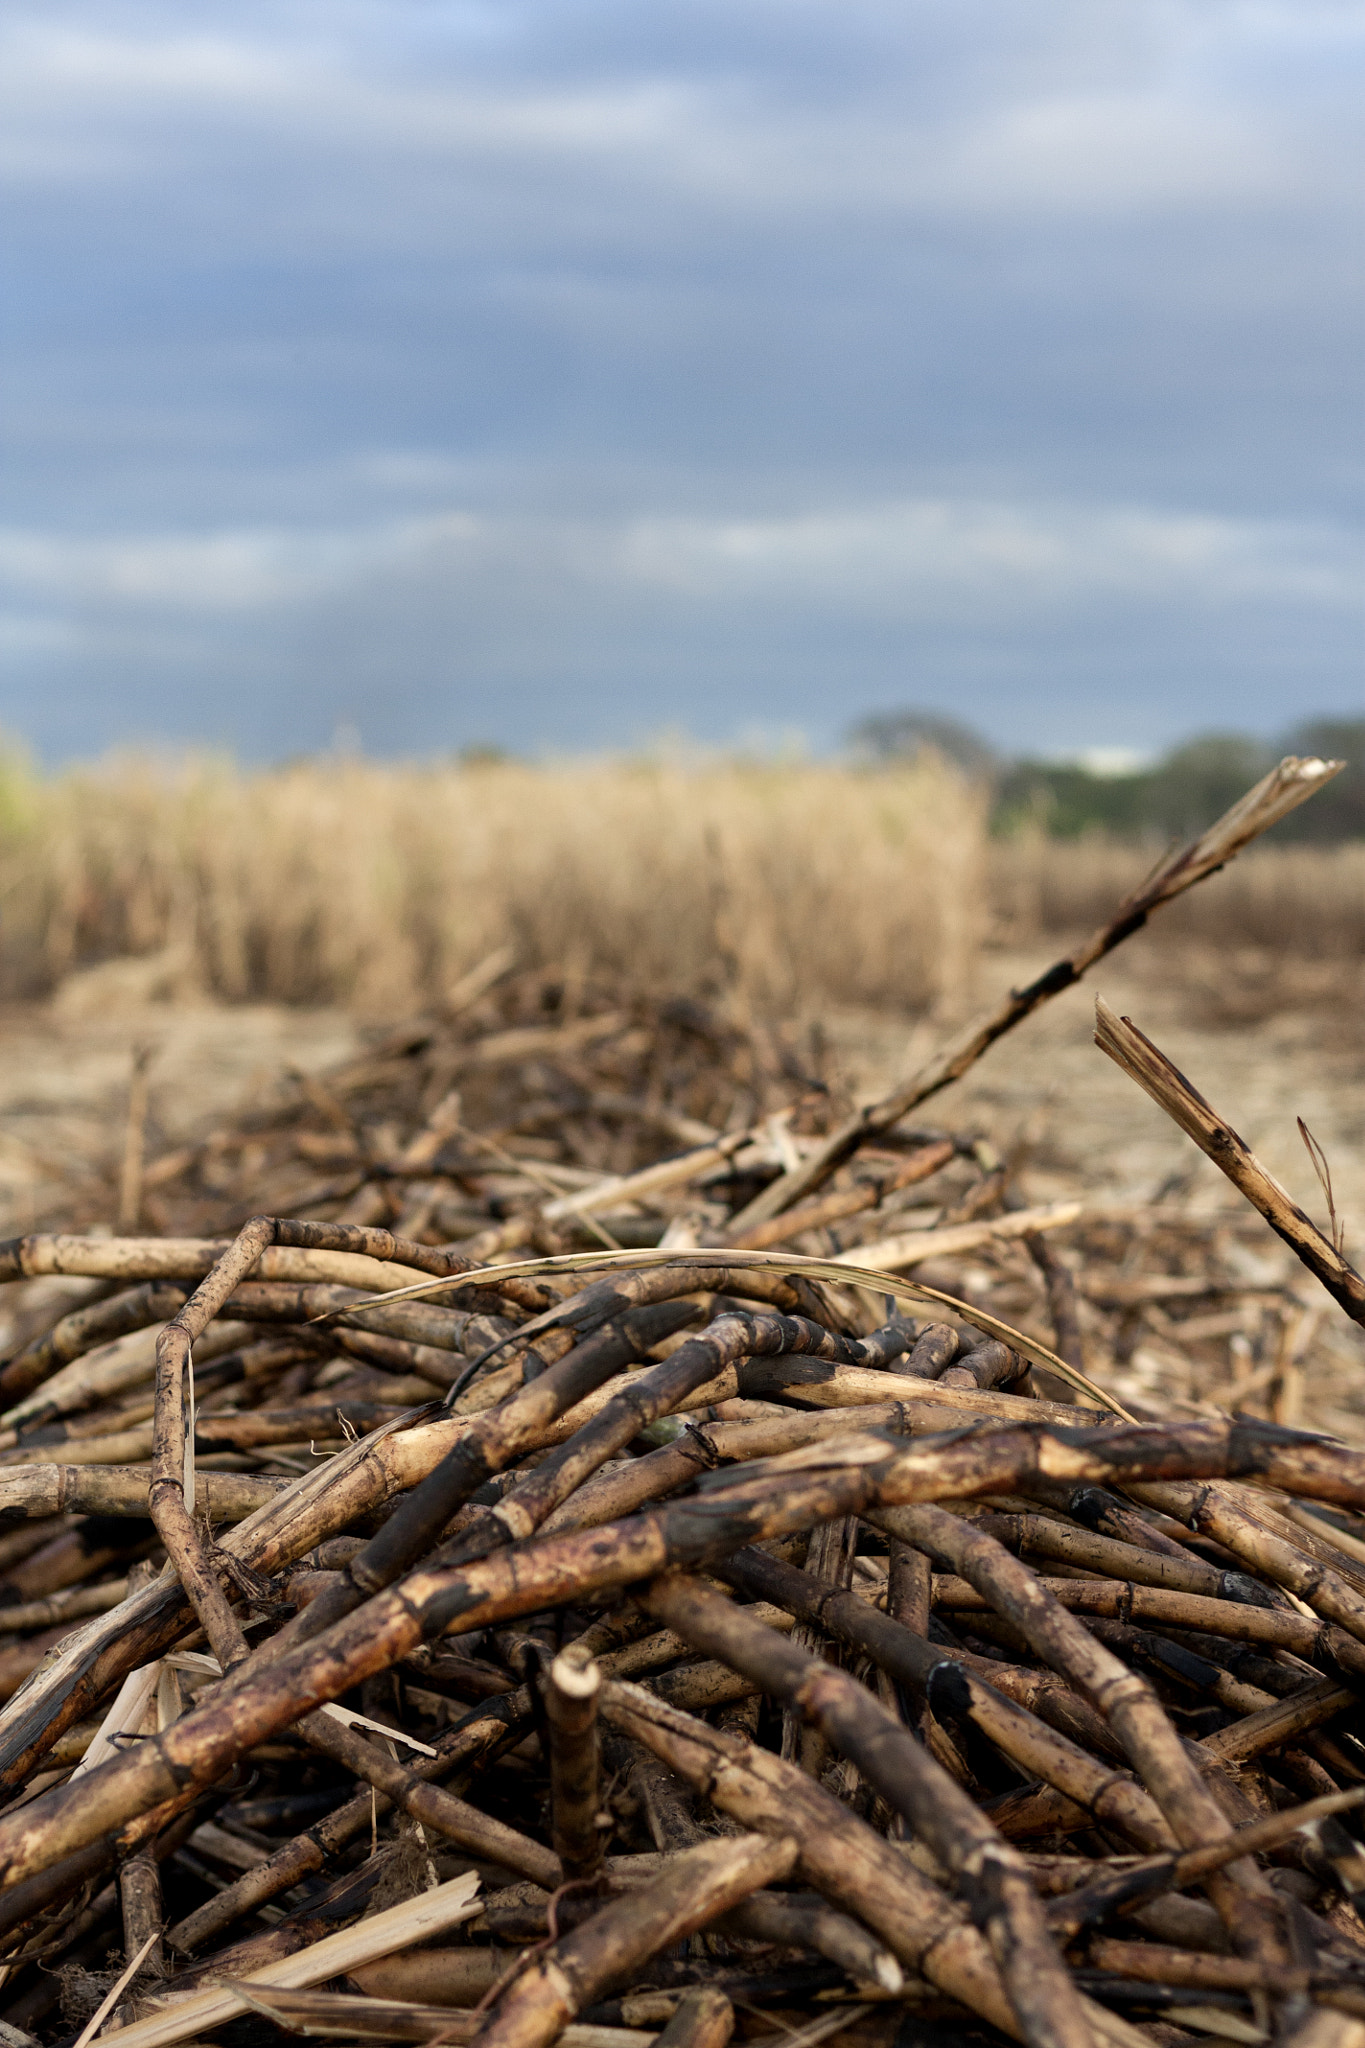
[697,1885]
[909,1588]
[829,1557]
[839,1854]
[111,1369]
[343,2017]
[1111,1797]
[439,1976]
[650,1180]
[784,1279]
[63,1606]
[172,1508]
[645,1278]
[571,1686]
[306,1252]
[140,1896]
[1278,793]
[861,1473]
[708,1444]
[989,1875]
[805,1921]
[431,1805]
[1222,1515]
[1031,1535]
[473,1742]
[430,1913]
[652,1394]
[80,1331]
[284,1525]
[546,1541]
[1182,1102]
[121,1651]
[910,1247]
[817,1214]
[1120,1599]
[1157,1965]
[1113,1891]
[1125,1700]
[704,2019]
[1271,1726]
[488,1447]
[287,1524]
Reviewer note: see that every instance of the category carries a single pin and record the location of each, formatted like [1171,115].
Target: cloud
[1100,152]
[761,355]
[937,555]
[913,560]
[87,103]
[141,91]
[220,572]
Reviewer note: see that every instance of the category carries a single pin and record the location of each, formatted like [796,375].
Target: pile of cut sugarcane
[420,1636]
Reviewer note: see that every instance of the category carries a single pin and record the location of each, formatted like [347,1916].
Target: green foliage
[1065,800]
[1338,812]
[484,755]
[889,738]
[1175,798]
[19,791]
[1195,783]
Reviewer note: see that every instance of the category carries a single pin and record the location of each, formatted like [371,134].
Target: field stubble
[536,1101]
[244,929]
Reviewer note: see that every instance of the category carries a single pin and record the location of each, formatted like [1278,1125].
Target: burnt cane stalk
[863,1473]
[992,1877]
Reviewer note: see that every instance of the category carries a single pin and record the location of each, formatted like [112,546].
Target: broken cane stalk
[1132,1050]
[1278,793]
[990,1875]
[571,1688]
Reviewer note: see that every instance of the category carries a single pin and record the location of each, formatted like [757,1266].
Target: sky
[564,374]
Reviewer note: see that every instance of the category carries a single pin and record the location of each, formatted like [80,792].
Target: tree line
[1178,794]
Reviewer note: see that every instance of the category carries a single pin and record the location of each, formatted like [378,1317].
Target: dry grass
[1282,929]
[790,888]
[380,885]
[1301,899]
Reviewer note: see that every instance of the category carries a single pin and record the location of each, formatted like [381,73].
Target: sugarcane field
[549,1508]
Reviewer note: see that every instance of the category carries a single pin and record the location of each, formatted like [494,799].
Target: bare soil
[64,1083]
[1048,1092]
[1071,1122]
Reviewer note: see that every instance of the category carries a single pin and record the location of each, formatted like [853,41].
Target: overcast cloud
[556,374]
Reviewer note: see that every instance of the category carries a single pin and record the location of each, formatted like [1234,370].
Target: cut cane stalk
[1282,791]
[989,1875]
[1182,1102]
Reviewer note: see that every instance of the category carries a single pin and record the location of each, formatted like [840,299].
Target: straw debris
[565,1527]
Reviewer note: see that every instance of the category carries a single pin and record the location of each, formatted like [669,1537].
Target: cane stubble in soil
[492,1631]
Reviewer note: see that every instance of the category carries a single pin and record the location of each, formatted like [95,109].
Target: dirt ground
[64,1082]
[1087,1129]
[1046,1097]
[1046,1091]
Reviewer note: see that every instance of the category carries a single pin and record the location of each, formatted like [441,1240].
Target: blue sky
[560,374]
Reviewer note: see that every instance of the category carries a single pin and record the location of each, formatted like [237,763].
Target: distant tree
[484,754]
[887,736]
[1175,798]
[1065,800]
[1195,783]
[1338,810]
